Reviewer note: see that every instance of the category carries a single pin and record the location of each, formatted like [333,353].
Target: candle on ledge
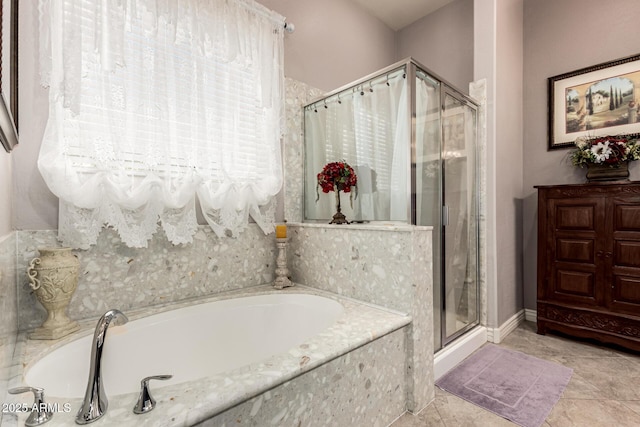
[281,231]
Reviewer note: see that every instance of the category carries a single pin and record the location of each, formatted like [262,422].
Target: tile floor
[604,389]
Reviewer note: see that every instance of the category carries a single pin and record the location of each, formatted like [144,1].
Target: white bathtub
[261,356]
[189,343]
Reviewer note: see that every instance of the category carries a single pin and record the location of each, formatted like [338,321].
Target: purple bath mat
[516,386]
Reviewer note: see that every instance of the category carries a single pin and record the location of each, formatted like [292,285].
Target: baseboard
[530,315]
[496,335]
[459,350]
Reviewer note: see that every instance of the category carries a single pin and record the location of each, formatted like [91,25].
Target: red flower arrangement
[337,176]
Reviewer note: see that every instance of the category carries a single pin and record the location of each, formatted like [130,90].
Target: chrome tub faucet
[95,401]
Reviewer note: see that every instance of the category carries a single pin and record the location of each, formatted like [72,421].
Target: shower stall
[412,141]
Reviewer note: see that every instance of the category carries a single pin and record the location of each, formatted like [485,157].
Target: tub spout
[95,401]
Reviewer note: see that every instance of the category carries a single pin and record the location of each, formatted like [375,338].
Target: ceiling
[397,14]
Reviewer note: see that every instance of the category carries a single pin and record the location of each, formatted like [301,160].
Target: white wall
[443,42]
[558,39]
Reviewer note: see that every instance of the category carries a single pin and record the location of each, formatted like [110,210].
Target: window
[153,104]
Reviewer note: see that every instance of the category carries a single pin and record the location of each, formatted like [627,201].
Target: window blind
[154,102]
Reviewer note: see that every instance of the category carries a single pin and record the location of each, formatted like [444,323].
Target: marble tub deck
[194,401]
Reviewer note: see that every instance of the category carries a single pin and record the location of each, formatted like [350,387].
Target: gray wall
[498,27]
[36,208]
[509,156]
[557,39]
[335,42]
[443,42]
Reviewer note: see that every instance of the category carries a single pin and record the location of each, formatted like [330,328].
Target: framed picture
[8,73]
[595,101]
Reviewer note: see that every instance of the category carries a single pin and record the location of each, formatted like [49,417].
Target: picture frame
[8,74]
[594,101]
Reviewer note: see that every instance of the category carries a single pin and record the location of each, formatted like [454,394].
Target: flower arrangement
[605,150]
[337,176]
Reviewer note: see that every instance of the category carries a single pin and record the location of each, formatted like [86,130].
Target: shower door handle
[445,215]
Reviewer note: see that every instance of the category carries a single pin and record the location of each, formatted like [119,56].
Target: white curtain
[368,127]
[155,102]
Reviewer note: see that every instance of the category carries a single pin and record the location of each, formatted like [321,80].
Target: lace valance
[154,103]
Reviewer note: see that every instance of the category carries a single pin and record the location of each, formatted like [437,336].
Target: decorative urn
[53,276]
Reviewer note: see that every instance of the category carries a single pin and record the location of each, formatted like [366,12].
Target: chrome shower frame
[412,67]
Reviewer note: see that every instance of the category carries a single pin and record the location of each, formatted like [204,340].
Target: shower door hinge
[445,215]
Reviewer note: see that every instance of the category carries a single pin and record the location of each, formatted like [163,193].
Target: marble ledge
[194,401]
[372,226]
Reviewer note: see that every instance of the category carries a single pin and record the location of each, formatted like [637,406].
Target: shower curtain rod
[386,70]
[361,89]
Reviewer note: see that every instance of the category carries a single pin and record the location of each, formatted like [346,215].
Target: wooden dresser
[589,261]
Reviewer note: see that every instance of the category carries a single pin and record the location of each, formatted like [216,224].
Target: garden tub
[221,352]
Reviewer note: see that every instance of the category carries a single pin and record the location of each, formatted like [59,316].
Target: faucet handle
[145,401]
[40,415]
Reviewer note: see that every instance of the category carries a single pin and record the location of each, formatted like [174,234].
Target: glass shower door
[459,217]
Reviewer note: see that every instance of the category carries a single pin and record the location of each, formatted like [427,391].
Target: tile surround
[390,266]
[364,388]
[478,91]
[115,276]
[298,94]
